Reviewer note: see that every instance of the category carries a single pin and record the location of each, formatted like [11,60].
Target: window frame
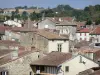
[59,47]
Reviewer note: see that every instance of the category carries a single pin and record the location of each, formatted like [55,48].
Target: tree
[89,22]
[35,16]
[17,11]
[24,15]
[18,16]
[97,21]
[2,18]
[13,15]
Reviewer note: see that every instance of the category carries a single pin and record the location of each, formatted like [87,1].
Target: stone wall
[40,42]
[21,66]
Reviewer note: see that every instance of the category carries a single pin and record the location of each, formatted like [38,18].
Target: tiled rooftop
[84,30]
[51,35]
[53,59]
[96,31]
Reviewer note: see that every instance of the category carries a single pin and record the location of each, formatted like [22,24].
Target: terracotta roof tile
[22,29]
[50,35]
[91,71]
[81,44]
[7,59]
[96,31]
[8,42]
[53,59]
[87,49]
[84,30]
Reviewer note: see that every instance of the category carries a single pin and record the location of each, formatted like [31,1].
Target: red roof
[84,30]
[96,30]
[8,42]
[3,28]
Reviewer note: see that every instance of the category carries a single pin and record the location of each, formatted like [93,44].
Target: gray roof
[66,23]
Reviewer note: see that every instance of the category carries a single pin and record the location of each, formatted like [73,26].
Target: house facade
[67,28]
[95,35]
[50,64]
[47,23]
[62,66]
[49,41]
[83,34]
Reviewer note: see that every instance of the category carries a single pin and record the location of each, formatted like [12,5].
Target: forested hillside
[90,13]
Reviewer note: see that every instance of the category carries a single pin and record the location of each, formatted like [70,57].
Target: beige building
[57,63]
[83,34]
[50,41]
[95,35]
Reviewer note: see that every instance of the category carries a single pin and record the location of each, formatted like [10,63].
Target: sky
[47,3]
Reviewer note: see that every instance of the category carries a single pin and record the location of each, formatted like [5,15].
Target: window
[30,73]
[4,73]
[59,47]
[32,39]
[67,69]
[80,39]
[42,68]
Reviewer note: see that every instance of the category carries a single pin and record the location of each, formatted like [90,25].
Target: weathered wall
[40,42]
[21,66]
[68,30]
[48,23]
[26,38]
[75,66]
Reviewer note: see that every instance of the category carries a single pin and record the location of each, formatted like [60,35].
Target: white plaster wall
[75,66]
[96,37]
[52,45]
[83,36]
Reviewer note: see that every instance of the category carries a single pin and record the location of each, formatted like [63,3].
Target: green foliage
[13,15]
[90,12]
[88,22]
[24,15]
[35,16]
[21,7]
[48,13]
[2,18]
[97,21]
